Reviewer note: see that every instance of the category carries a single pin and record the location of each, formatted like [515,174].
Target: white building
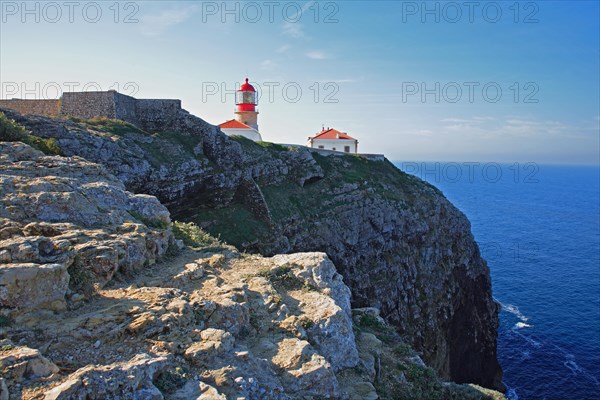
[245,122]
[332,139]
[234,127]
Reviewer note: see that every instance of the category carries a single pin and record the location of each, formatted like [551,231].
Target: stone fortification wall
[153,115]
[88,104]
[37,107]
[148,114]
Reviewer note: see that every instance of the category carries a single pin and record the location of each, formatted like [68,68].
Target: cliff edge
[398,243]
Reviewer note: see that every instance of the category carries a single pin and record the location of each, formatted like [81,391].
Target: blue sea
[538,227]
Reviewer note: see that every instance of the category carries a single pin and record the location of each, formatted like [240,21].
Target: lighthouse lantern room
[246,114]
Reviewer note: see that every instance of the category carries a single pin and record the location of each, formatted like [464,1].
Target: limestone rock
[214,342]
[195,390]
[331,331]
[314,377]
[29,286]
[131,379]
[152,164]
[230,315]
[68,224]
[19,363]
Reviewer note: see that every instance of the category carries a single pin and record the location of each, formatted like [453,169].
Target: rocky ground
[206,325]
[99,300]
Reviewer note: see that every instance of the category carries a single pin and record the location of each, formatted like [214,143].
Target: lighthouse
[245,105]
[246,114]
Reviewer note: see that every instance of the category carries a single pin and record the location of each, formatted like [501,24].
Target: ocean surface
[538,227]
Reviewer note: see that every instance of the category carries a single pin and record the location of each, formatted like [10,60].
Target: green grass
[168,147]
[313,202]
[383,177]
[257,149]
[193,236]
[272,146]
[151,223]
[11,131]
[372,323]
[425,382]
[108,125]
[188,142]
[173,147]
[403,350]
[234,224]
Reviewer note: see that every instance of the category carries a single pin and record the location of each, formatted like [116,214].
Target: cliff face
[401,247]
[399,244]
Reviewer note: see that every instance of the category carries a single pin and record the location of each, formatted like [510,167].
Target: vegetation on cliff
[10,131]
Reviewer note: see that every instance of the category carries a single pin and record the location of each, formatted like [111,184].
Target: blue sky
[362,67]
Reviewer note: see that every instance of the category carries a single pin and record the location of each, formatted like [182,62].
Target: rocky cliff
[398,243]
[98,301]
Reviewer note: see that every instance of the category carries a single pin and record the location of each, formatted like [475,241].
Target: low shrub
[193,236]
[11,131]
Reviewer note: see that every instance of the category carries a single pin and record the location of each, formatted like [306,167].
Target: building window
[321,147]
[347,149]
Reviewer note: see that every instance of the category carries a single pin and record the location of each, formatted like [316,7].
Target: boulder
[132,379]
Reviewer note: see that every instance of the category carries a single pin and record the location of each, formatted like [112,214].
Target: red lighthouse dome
[245,99]
[246,87]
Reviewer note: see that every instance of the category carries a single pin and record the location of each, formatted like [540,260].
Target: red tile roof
[234,124]
[332,134]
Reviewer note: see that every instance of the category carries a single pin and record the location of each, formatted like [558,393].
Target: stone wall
[148,114]
[38,107]
[88,104]
[125,108]
[154,115]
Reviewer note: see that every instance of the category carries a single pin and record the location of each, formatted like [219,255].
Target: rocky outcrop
[401,247]
[331,327]
[67,226]
[21,363]
[132,379]
[188,159]
[399,244]
[247,327]
[419,264]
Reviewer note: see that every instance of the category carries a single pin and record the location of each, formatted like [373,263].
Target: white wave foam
[521,325]
[569,362]
[514,310]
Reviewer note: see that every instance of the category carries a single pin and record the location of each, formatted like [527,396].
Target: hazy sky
[462,81]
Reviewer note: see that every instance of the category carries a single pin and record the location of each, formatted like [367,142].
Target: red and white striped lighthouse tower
[245,105]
